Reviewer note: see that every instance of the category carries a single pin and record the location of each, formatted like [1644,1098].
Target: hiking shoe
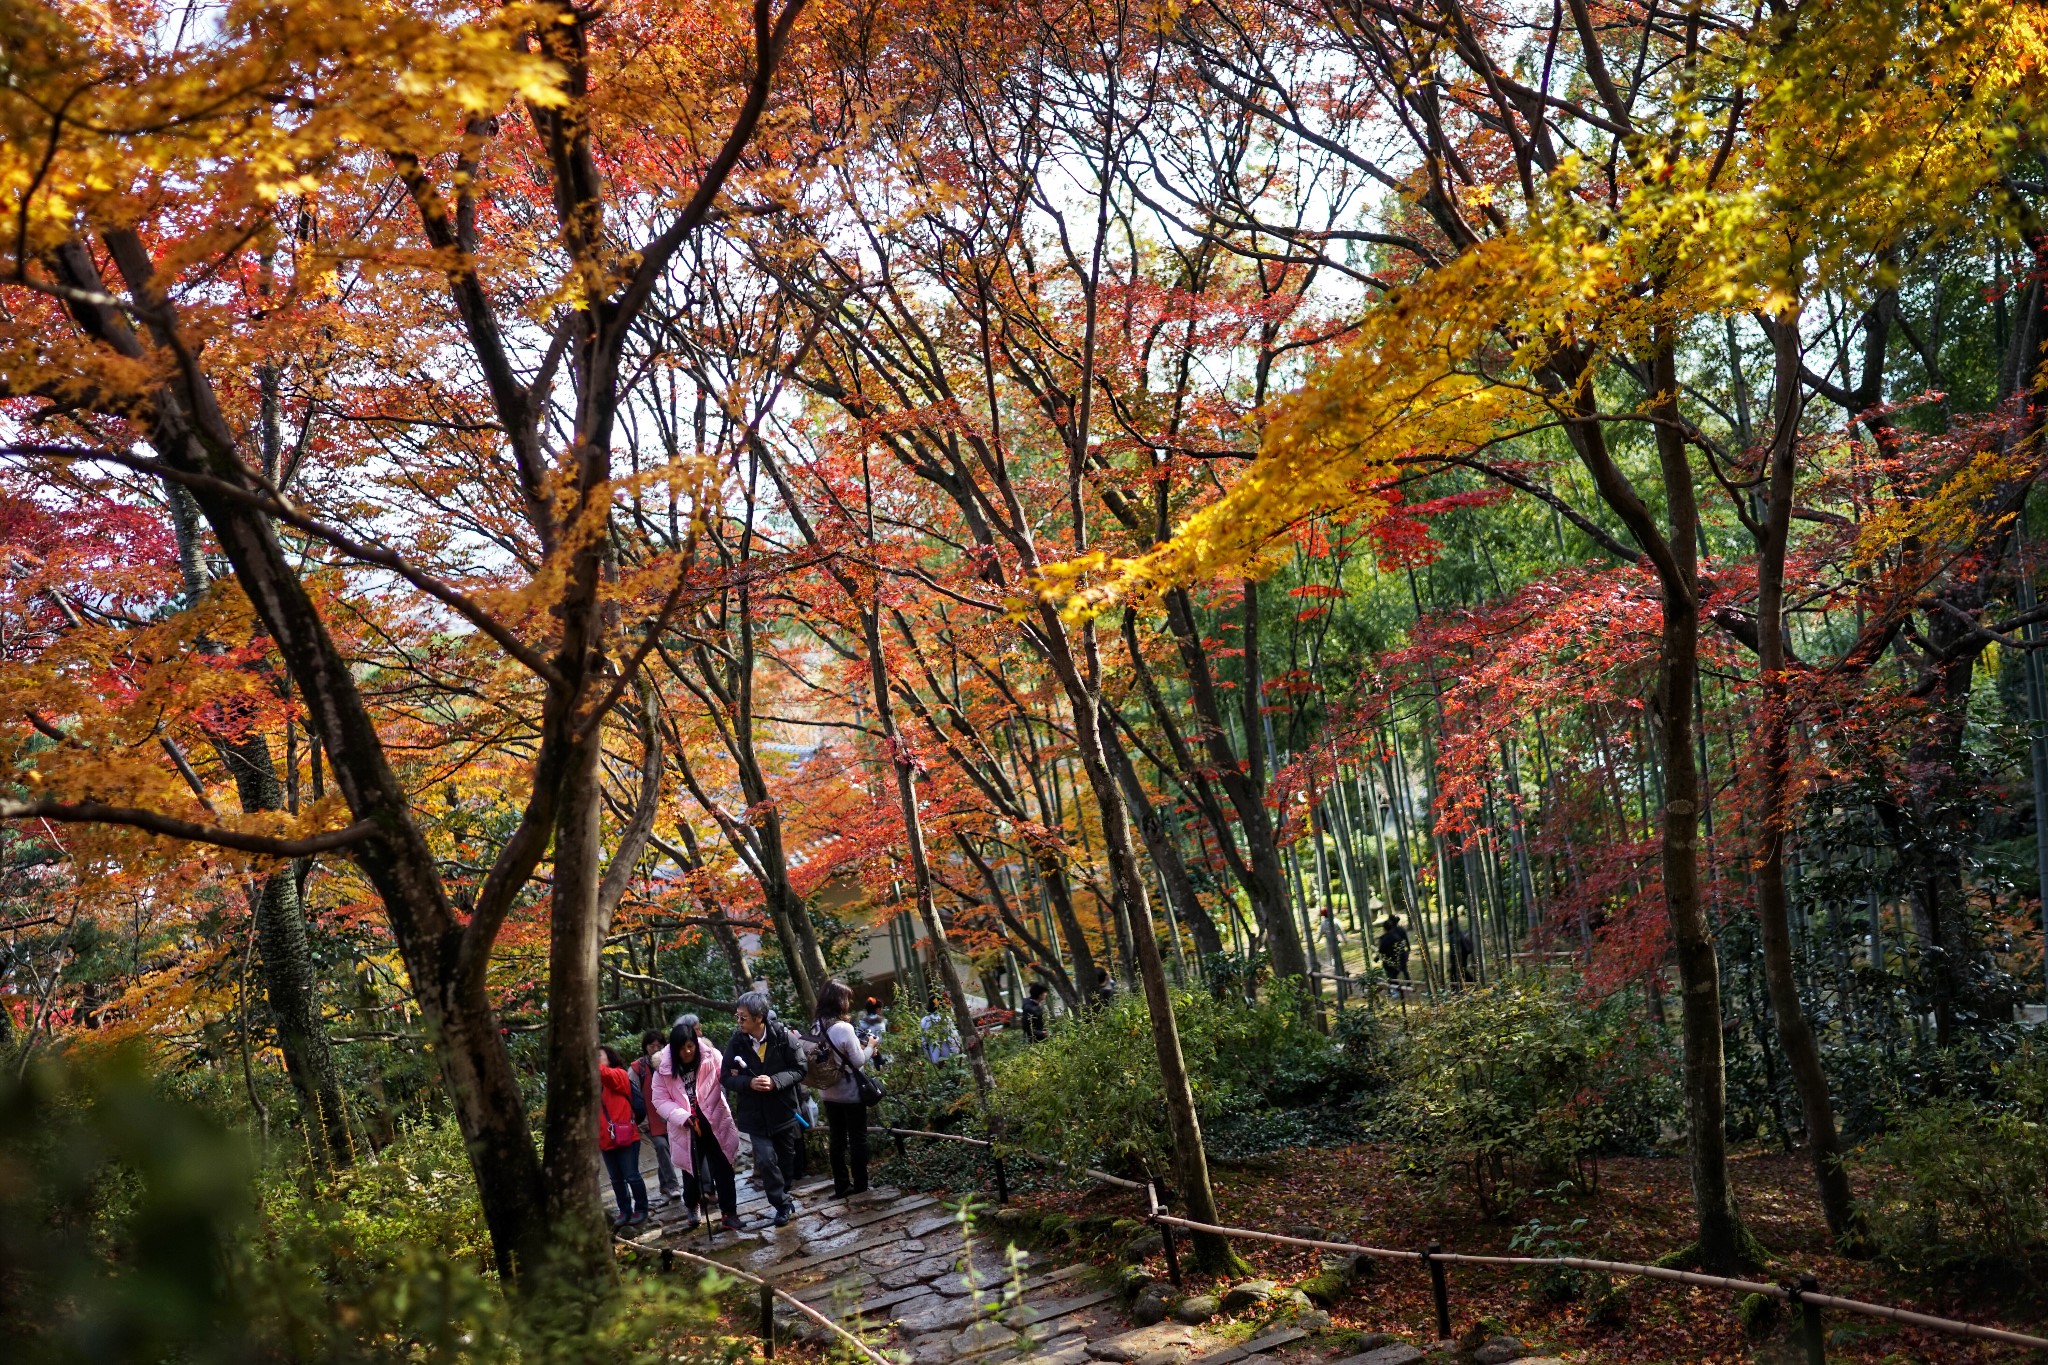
[785,1216]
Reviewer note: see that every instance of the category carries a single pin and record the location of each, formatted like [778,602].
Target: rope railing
[1103,1177]
[1805,1292]
[769,1293]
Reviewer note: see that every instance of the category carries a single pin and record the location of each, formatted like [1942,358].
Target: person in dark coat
[1034,1013]
[1393,947]
[1461,953]
[762,1071]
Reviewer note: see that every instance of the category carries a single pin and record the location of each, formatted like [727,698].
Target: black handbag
[865,1087]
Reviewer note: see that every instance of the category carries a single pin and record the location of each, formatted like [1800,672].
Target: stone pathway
[922,1287]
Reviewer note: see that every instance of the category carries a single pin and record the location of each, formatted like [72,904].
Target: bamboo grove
[508,507]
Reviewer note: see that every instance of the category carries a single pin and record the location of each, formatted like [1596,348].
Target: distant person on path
[941,1040]
[846,1118]
[1461,952]
[873,1025]
[1393,947]
[618,1138]
[651,1044]
[1034,1013]
[762,1071]
[689,1094]
[1105,994]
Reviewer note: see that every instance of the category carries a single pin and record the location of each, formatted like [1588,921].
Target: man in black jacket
[1394,952]
[1034,1013]
[762,1070]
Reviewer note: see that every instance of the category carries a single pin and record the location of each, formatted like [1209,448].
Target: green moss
[1095,1227]
[1759,1314]
[1325,1289]
[1053,1229]
[1132,1281]
[1145,1245]
[1750,1254]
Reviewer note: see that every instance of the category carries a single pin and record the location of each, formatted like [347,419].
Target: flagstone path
[920,1285]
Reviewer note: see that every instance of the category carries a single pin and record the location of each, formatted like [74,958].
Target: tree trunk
[292,987]
[1795,1035]
[1191,1160]
[1173,869]
[686,855]
[920,863]
[284,950]
[1052,874]
[1723,1244]
[569,1152]
[283,947]
[1673,551]
[1044,956]
[192,437]
[1260,871]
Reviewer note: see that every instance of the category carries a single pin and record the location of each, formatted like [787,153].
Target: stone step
[1052,1309]
[784,1268]
[972,1342]
[1140,1342]
[1060,1276]
[1394,1353]
[1047,1338]
[851,1282]
[934,1312]
[868,1307]
[933,1222]
[901,1272]
[1074,1351]
[1243,1352]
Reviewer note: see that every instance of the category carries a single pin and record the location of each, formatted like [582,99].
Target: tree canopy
[518,521]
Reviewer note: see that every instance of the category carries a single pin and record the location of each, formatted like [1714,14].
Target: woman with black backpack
[846,1116]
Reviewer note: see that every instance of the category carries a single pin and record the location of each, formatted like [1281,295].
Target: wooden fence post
[1440,1287]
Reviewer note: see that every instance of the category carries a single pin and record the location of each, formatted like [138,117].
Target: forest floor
[1642,1210]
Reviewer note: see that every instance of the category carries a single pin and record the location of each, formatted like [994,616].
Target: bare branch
[282,509]
[170,827]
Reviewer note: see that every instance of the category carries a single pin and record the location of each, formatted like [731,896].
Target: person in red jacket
[618,1137]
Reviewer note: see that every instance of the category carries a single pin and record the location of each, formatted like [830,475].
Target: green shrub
[1963,1181]
[921,1093]
[1540,1238]
[1512,1088]
[119,1210]
[1091,1094]
[1880,1080]
[133,1230]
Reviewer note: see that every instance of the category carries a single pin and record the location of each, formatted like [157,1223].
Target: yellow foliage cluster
[1845,124]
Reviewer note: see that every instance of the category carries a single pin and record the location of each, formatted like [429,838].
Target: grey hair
[754,1003]
[687,1020]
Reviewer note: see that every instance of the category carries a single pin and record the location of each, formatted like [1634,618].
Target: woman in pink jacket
[701,1134]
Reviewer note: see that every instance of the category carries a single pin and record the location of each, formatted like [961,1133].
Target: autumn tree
[122,351]
[1562,227]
